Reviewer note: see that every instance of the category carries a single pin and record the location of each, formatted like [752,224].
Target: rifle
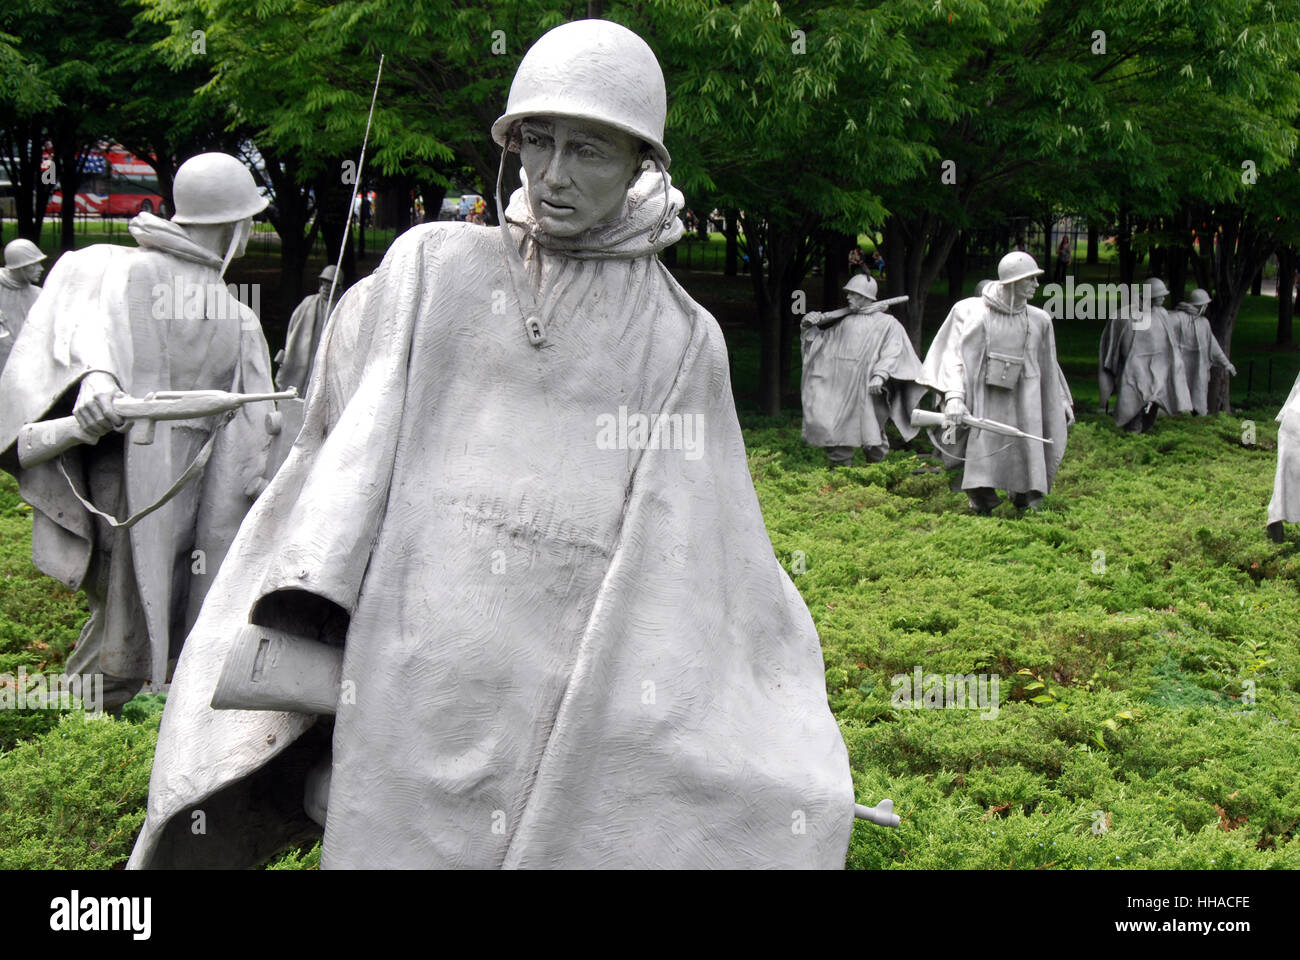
[933,418]
[46,439]
[835,316]
[882,813]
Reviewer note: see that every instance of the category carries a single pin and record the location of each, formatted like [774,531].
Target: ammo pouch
[1002,370]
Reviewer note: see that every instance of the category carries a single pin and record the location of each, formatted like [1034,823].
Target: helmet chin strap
[533,325]
[237,236]
[668,209]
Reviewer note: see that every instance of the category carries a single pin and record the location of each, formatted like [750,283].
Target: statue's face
[857,302]
[1025,287]
[1157,301]
[579,172]
[323,288]
[33,271]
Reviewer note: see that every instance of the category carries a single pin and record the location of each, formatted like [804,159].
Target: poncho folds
[1200,351]
[838,365]
[1038,403]
[16,299]
[564,655]
[301,342]
[116,309]
[1285,505]
[1141,363]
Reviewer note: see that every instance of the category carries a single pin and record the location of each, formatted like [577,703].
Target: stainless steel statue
[18,290]
[1284,507]
[994,359]
[510,601]
[116,325]
[1198,347]
[1140,362]
[305,328]
[859,372]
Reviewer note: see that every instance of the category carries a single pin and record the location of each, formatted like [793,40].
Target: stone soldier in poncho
[995,358]
[117,320]
[849,358]
[1141,363]
[18,290]
[305,329]
[537,649]
[1284,507]
[1198,347]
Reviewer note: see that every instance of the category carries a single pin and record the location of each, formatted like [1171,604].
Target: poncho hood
[155,233]
[621,239]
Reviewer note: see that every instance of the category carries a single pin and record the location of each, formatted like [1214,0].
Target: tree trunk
[1286,263]
[67,151]
[1124,239]
[957,267]
[732,257]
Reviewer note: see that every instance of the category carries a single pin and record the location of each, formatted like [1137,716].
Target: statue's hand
[1232,371]
[876,386]
[954,411]
[810,320]
[94,409]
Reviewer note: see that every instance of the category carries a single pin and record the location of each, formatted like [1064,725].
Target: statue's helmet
[1198,297]
[591,70]
[22,253]
[328,273]
[1017,265]
[863,286]
[215,188]
[1158,288]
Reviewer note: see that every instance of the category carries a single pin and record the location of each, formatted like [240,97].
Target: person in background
[1063,257]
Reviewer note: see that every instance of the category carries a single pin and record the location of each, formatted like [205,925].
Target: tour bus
[115,183]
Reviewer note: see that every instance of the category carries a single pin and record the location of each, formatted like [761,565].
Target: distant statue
[305,329]
[510,601]
[18,290]
[994,359]
[135,507]
[1199,348]
[859,372]
[1140,362]
[1284,507]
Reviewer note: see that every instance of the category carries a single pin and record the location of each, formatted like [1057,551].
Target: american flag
[92,163]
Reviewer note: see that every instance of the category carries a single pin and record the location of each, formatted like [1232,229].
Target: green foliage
[1122,676]
[298,858]
[74,797]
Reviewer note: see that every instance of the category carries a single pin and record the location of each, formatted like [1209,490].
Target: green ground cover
[1145,633]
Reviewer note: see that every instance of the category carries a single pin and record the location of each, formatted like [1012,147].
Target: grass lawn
[1145,633]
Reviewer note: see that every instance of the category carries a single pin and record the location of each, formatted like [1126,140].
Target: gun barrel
[882,813]
[46,439]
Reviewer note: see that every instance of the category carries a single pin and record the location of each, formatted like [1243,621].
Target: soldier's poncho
[100,311]
[16,299]
[1039,403]
[1199,350]
[1141,362]
[839,363]
[1285,505]
[563,655]
[301,343]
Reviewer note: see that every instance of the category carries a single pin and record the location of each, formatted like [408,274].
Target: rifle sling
[196,466]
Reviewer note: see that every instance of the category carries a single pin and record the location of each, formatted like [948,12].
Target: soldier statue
[994,360]
[859,372]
